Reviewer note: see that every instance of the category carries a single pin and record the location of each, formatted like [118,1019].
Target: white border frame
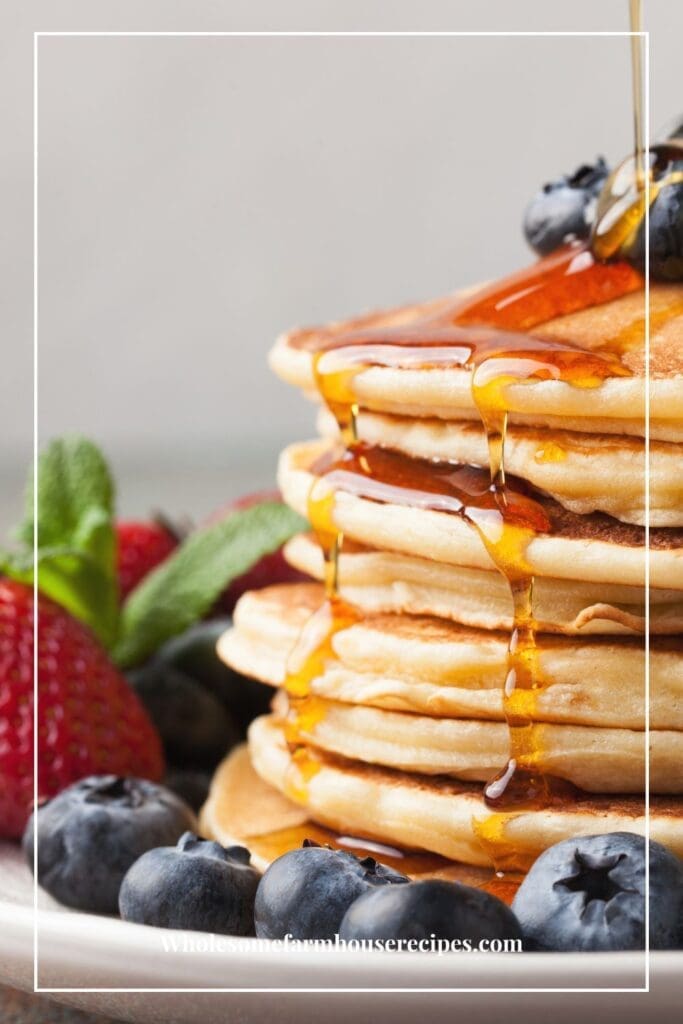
[645,37]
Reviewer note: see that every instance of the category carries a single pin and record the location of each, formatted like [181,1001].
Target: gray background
[197,195]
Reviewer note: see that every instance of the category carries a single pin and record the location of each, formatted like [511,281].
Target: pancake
[597,760]
[436,668]
[583,472]
[592,548]
[242,809]
[440,815]
[616,407]
[386,581]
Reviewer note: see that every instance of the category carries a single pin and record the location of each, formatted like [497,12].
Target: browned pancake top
[625,317]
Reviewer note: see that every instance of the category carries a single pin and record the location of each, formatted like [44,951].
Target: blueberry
[305,893]
[444,910]
[194,653]
[666,234]
[197,885]
[666,218]
[588,894]
[90,834]
[195,728]
[563,210]
[191,786]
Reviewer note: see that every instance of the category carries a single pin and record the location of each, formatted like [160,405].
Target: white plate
[83,951]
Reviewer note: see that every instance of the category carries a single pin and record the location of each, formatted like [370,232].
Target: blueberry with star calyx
[563,210]
[306,892]
[588,894]
[90,834]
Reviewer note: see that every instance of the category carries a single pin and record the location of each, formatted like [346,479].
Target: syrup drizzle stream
[621,206]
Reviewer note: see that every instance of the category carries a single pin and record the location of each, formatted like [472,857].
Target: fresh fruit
[666,234]
[195,729]
[433,908]
[271,568]
[77,554]
[589,894]
[90,834]
[89,719]
[666,217]
[194,653]
[197,885]
[306,892]
[563,210]
[619,231]
[141,546]
[191,786]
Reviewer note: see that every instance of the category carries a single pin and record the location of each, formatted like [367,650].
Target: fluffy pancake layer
[583,472]
[387,581]
[603,759]
[594,549]
[598,760]
[443,815]
[436,668]
[404,720]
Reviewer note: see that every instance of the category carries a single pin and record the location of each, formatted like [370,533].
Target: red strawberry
[141,547]
[271,568]
[89,720]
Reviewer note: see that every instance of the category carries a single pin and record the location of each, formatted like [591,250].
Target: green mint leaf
[185,586]
[73,478]
[75,581]
[75,533]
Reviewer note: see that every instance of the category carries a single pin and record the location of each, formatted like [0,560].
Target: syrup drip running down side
[485,334]
[314,647]
[315,644]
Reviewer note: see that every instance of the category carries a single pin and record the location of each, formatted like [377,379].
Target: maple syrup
[314,646]
[489,334]
[417,864]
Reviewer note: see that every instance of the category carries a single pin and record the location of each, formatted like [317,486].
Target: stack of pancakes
[403,717]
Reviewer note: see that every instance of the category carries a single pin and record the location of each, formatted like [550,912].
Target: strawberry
[141,546]
[270,568]
[89,722]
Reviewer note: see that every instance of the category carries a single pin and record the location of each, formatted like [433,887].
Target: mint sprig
[184,587]
[76,562]
[74,483]
[76,541]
